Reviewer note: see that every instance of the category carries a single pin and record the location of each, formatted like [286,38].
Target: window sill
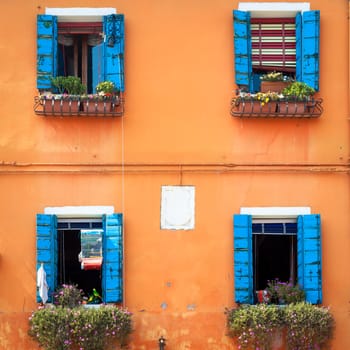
[249,108]
[71,107]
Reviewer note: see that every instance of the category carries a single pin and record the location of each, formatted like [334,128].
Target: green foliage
[298,90]
[106,87]
[60,328]
[254,325]
[284,292]
[70,85]
[272,76]
[307,326]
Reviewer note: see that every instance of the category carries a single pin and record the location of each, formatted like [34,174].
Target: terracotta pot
[292,107]
[98,107]
[62,106]
[275,86]
[255,107]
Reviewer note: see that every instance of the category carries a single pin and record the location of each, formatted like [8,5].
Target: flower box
[61,106]
[91,106]
[65,105]
[292,107]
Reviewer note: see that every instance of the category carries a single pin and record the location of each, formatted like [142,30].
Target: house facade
[192,202]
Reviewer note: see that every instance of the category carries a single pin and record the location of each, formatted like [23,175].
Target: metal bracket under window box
[249,107]
[75,106]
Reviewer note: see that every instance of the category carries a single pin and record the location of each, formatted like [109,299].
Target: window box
[61,105]
[250,108]
[71,106]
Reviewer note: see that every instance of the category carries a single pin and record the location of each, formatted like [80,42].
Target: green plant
[254,325]
[61,328]
[262,97]
[284,292]
[298,90]
[70,85]
[308,326]
[106,87]
[266,97]
[50,327]
[68,296]
[272,76]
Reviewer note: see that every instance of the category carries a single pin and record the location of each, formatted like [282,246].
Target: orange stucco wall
[176,130]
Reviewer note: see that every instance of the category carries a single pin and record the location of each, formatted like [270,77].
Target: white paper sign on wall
[177,207]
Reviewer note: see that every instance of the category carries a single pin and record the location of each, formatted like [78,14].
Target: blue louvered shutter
[311,48]
[47,250]
[298,47]
[242,49]
[112,263]
[46,50]
[308,47]
[309,257]
[113,27]
[243,259]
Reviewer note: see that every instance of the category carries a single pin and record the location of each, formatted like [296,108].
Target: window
[93,51]
[269,249]
[274,247]
[286,41]
[273,44]
[59,247]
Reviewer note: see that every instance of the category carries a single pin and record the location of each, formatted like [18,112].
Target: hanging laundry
[42,284]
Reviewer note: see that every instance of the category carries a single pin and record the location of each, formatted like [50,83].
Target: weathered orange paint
[179,82]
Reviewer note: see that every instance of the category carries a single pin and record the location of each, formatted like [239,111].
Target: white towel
[42,284]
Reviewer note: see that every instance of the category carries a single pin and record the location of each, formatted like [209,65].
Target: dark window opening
[69,267]
[75,43]
[275,253]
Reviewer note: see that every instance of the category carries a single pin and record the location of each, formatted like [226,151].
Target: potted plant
[105,99]
[68,325]
[254,326]
[284,292]
[259,103]
[296,98]
[308,326]
[67,100]
[274,81]
[304,326]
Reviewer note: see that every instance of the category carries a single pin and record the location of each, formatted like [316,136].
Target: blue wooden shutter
[243,259]
[46,50]
[112,263]
[47,251]
[309,257]
[243,49]
[113,27]
[308,48]
[97,58]
[311,48]
[298,47]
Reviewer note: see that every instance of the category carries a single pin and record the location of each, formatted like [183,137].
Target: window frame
[307,41]
[110,67]
[112,264]
[309,257]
